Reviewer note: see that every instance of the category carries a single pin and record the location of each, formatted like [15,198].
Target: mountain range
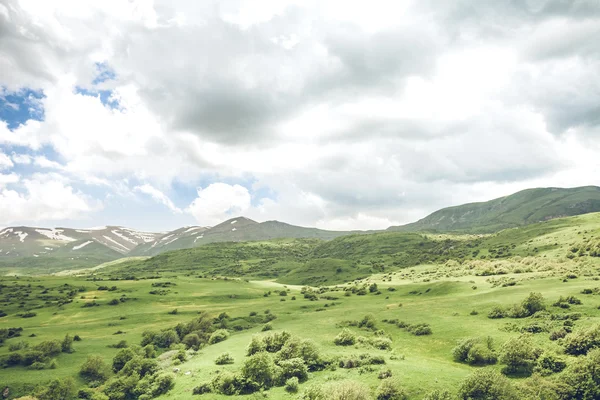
[52,249]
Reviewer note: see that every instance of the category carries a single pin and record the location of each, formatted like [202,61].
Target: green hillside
[517,312]
[522,208]
[318,262]
[78,254]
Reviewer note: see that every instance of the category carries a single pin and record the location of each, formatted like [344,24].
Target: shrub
[114,302]
[345,338]
[267,327]
[202,388]
[558,334]
[419,329]
[260,369]
[122,387]
[294,367]
[121,358]
[519,355]
[368,322]
[381,343]
[256,345]
[384,374]
[301,348]
[475,351]
[139,366]
[438,395]
[94,369]
[49,348]
[57,389]
[276,340]
[533,303]
[191,341]
[346,390]
[550,363]
[67,344]
[583,377]
[291,385]
[582,341]
[497,312]
[389,389]
[225,383]
[223,359]
[486,384]
[218,336]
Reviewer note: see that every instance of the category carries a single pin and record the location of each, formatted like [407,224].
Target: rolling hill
[239,229]
[519,209]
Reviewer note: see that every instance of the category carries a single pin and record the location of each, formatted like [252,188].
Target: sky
[156,114]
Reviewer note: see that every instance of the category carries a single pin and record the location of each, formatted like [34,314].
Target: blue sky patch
[18,107]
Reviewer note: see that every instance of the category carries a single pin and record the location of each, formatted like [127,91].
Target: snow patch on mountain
[21,235]
[115,242]
[193,228]
[234,221]
[127,239]
[55,234]
[82,245]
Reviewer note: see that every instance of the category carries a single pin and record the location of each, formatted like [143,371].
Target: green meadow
[403,300]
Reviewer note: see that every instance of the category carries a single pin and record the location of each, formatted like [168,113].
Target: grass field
[452,295]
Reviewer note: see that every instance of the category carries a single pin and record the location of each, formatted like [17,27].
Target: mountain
[519,209]
[30,241]
[239,229]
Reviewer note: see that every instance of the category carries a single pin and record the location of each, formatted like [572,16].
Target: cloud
[158,196]
[44,201]
[348,115]
[219,201]
[5,162]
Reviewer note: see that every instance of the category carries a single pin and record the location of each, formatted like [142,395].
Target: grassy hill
[519,209]
[418,296]
[239,229]
[319,262]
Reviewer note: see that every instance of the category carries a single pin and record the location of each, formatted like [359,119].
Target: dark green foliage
[345,338]
[486,384]
[549,363]
[57,389]
[389,389]
[438,395]
[583,377]
[261,370]
[368,322]
[519,355]
[139,366]
[121,358]
[291,385]
[67,344]
[293,367]
[223,359]
[475,351]
[218,336]
[582,341]
[203,388]
[94,369]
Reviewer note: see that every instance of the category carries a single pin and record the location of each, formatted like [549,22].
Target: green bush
[549,363]
[368,322]
[519,355]
[486,384]
[345,338]
[202,388]
[294,367]
[218,336]
[260,369]
[580,342]
[223,359]
[94,369]
[438,395]
[291,385]
[583,377]
[390,389]
[121,358]
[475,351]
[57,389]
[192,341]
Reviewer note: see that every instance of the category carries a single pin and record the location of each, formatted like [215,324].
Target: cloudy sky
[335,114]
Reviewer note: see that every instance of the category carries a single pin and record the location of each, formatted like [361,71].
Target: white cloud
[43,201]
[7,179]
[219,201]
[158,196]
[5,162]
[21,159]
[354,116]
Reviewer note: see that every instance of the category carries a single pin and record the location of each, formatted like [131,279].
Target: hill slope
[519,209]
[239,229]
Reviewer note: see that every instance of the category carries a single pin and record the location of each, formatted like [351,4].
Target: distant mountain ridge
[519,209]
[64,248]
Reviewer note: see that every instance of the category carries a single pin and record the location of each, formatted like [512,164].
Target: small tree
[345,338]
[486,384]
[94,369]
[389,389]
[57,389]
[67,344]
[519,355]
[260,369]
